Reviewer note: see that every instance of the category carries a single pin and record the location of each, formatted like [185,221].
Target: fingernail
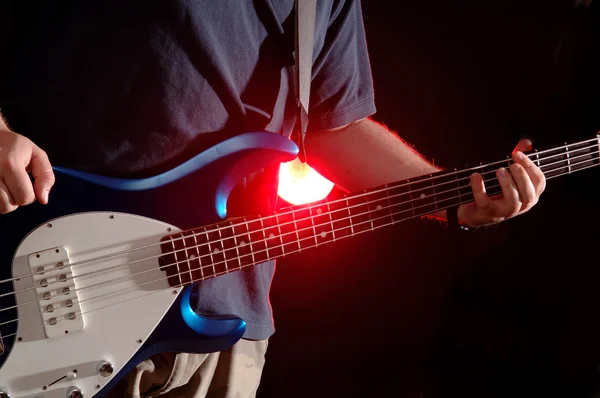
[519,155]
[45,196]
[502,171]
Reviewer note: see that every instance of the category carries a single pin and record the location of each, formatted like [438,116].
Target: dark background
[417,310]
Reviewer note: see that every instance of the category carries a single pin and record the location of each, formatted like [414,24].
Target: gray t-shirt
[137,87]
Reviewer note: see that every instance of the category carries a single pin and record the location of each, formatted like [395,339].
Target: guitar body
[69,322]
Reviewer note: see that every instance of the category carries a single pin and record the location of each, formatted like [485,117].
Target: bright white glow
[300,184]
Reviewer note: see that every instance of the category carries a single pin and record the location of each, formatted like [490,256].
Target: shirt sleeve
[342,84]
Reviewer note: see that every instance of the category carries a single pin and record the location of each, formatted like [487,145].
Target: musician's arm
[365,154]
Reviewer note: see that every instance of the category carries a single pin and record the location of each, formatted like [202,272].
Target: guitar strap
[263,185]
[305,16]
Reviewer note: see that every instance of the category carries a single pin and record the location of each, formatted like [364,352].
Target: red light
[300,184]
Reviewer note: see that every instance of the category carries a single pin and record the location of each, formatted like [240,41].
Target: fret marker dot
[242,244]
[192,256]
[271,235]
[323,234]
[422,196]
[379,207]
[215,250]
[319,211]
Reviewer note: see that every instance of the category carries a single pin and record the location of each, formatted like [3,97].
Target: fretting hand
[521,189]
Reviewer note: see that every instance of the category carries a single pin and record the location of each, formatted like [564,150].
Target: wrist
[454,219]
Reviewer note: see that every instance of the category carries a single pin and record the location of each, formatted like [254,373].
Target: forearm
[364,154]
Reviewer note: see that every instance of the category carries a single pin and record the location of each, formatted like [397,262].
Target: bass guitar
[101,278]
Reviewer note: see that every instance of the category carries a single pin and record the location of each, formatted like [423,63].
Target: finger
[18,183]
[510,203]
[523,145]
[482,200]
[535,173]
[41,170]
[6,201]
[525,187]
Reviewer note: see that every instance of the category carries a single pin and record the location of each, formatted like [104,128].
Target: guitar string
[158,291]
[186,272]
[107,269]
[385,189]
[247,233]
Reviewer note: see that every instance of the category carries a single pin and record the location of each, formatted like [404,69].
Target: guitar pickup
[56,291]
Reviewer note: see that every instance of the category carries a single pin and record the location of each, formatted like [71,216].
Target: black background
[417,310]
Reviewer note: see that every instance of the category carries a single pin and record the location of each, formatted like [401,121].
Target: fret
[358,211]
[191,253]
[401,202]
[448,189]
[329,213]
[379,208]
[185,274]
[389,204]
[322,224]
[568,158]
[258,241]
[229,247]
[221,249]
[280,235]
[349,217]
[596,150]
[167,262]
[296,231]
[582,156]
[537,157]
[194,253]
[422,198]
[458,187]
[288,235]
[210,251]
[432,183]
[410,198]
[195,256]
[312,223]
[243,244]
[306,233]
[341,224]
[175,248]
[491,183]
[272,237]
[235,243]
[552,162]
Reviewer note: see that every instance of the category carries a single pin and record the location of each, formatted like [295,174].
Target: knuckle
[6,207]
[10,163]
[527,202]
[513,208]
[516,168]
[21,197]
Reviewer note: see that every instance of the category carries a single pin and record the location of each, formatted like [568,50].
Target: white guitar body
[72,349]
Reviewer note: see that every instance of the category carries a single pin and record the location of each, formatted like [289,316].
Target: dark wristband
[452,217]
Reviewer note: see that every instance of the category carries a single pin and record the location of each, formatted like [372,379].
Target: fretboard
[206,252]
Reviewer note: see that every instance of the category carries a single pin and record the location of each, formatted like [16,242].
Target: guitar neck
[228,246]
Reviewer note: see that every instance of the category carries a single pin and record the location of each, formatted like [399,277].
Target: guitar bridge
[56,291]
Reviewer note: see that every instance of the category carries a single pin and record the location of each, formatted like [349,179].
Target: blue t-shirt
[134,88]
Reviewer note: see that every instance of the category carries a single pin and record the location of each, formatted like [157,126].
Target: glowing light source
[300,184]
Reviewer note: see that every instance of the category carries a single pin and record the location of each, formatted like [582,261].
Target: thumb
[41,170]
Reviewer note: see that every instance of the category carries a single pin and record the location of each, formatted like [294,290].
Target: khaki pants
[232,373]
